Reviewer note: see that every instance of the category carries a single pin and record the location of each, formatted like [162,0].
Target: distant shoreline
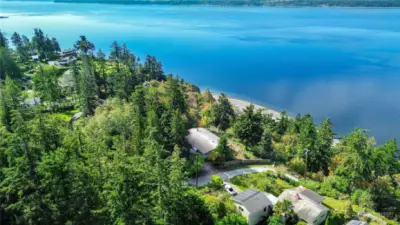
[252,3]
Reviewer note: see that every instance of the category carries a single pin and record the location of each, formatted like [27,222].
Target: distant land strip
[281,3]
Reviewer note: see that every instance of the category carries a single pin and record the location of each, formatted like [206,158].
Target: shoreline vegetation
[274,3]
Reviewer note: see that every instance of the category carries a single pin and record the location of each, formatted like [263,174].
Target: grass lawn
[66,115]
[339,205]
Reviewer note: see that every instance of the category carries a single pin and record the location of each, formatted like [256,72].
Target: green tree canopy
[222,112]
[233,219]
[8,66]
[248,126]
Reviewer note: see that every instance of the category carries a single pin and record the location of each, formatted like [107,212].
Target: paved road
[205,177]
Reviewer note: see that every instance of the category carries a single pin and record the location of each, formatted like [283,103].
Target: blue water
[331,62]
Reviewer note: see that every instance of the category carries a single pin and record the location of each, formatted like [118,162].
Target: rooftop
[202,139]
[253,200]
[312,195]
[306,203]
[356,222]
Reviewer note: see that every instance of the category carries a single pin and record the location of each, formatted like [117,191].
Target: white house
[202,140]
[254,205]
[306,204]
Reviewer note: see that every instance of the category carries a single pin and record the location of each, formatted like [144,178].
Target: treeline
[283,3]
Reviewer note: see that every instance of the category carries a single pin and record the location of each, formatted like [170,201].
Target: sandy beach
[241,105]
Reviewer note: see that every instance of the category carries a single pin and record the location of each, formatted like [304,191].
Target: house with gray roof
[254,205]
[202,140]
[306,204]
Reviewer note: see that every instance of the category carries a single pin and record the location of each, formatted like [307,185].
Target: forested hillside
[284,3]
[87,138]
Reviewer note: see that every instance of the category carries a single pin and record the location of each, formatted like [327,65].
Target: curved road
[208,171]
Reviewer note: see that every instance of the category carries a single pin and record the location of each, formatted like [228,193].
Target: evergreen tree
[207,96]
[224,153]
[10,99]
[179,128]
[16,39]
[385,159]
[152,69]
[46,83]
[265,148]
[55,45]
[357,152]
[115,54]
[84,45]
[8,66]
[23,54]
[100,56]
[21,187]
[248,126]
[223,112]
[25,41]
[39,42]
[139,111]
[88,88]
[320,155]
[3,40]
[283,124]
[176,95]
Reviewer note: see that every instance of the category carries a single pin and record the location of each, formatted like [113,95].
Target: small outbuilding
[202,140]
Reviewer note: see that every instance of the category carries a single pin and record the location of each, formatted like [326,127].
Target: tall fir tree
[88,88]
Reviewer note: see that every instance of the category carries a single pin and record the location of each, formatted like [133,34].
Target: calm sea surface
[339,63]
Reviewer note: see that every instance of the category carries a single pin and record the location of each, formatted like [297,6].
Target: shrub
[334,218]
[348,211]
[363,198]
[339,183]
[215,206]
[328,190]
[233,219]
[213,156]
[301,223]
[279,153]
[317,176]
[298,165]
[216,182]
[310,184]
[275,220]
